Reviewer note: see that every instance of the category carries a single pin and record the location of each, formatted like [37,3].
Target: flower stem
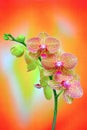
[55,107]
[14,39]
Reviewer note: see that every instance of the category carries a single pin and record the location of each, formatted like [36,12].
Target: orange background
[22,107]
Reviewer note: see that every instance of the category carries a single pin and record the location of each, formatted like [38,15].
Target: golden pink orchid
[42,45]
[59,64]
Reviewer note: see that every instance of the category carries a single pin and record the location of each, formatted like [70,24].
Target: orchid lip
[58,72]
[43,55]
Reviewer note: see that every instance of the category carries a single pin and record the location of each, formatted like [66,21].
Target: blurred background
[23,107]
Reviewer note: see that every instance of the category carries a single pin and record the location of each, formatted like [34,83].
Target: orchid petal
[75,90]
[68,71]
[69,60]
[43,35]
[67,98]
[33,44]
[60,77]
[49,62]
[52,44]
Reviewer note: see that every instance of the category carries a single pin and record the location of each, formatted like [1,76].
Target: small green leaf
[17,50]
[6,37]
[20,38]
[48,92]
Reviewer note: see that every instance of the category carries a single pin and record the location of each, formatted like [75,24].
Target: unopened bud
[6,37]
[20,38]
[48,92]
[17,50]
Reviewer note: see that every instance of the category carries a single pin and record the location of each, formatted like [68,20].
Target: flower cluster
[56,66]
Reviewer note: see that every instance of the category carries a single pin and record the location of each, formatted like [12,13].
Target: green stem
[55,107]
[13,39]
[59,93]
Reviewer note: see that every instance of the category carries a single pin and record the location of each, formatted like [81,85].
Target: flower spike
[57,75]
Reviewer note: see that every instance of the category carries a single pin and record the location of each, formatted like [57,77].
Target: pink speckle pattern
[75,90]
[33,44]
[69,60]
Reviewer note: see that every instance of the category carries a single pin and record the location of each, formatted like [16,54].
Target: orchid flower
[42,45]
[71,87]
[72,90]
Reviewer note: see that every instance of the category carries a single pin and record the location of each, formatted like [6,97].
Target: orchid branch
[55,66]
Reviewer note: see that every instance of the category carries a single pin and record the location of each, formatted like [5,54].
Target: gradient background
[22,107]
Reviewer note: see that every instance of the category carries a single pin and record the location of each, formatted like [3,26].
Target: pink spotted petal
[52,44]
[60,77]
[69,60]
[33,44]
[67,98]
[75,90]
[49,62]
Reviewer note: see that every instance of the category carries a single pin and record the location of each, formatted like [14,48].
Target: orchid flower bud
[43,81]
[17,50]
[6,37]
[20,38]
[48,92]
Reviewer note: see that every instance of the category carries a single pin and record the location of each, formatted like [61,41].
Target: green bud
[20,38]
[48,92]
[6,37]
[17,50]
[43,81]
